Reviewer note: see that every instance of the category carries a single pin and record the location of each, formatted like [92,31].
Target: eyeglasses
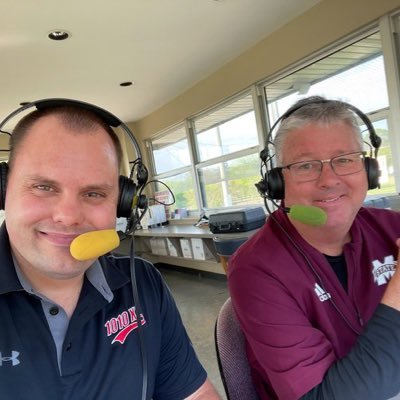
[345,164]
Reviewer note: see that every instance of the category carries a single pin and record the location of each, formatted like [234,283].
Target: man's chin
[66,272]
[60,265]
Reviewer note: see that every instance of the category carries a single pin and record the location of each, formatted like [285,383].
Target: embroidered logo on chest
[123,324]
[382,272]
[12,359]
[322,294]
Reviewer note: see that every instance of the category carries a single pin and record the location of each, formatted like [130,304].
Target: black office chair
[231,355]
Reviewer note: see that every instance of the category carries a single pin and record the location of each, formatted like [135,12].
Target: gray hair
[314,109]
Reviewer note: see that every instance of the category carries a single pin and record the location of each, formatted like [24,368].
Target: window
[385,158]
[171,151]
[231,183]
[172,165]
[183,188]
[227,149]
[354,74]
[234,128]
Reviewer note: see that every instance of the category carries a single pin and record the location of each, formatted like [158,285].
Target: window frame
[253,92]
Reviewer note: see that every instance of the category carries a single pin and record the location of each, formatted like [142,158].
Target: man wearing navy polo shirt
[68,328]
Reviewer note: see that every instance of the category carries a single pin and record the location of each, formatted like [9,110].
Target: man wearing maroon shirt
[320,304]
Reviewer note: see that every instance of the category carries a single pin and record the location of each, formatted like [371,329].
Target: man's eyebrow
[41,179]
[301,157]
[48,181]
[308,156]
[100,186]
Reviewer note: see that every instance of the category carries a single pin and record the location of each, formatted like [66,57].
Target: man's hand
[392,294]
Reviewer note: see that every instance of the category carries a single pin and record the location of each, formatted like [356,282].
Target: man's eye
[305,166]
[343,161]
[44,188]
[94,195]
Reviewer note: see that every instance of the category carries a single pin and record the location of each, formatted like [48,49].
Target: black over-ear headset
[130,196]
[272,186]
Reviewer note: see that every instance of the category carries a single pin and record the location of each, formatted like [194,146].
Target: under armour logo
[14,358]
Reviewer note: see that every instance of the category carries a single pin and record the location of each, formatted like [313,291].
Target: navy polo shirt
[100,357]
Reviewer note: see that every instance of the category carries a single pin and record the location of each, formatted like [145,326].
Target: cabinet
[186,246]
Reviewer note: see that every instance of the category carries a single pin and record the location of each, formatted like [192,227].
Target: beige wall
[320,26]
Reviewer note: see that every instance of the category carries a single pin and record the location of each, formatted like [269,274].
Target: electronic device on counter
[241,220]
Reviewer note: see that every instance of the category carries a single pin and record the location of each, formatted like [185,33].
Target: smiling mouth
[330,200]
[59,239]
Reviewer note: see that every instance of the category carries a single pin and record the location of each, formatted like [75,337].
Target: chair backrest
[231,355]
[226,247]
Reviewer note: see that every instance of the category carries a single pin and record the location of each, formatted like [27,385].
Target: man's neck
[327,240]
[63,292]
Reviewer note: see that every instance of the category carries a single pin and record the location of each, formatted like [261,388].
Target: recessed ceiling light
[58,34]
[128,83]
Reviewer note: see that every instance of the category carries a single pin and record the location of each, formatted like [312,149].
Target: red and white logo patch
[122,325]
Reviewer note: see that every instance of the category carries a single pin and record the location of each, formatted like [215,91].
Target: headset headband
[105,115]
[374,139]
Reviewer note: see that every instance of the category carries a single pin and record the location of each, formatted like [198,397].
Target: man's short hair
[315,109]
[73,117]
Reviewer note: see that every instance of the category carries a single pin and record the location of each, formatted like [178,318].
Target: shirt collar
[94,274]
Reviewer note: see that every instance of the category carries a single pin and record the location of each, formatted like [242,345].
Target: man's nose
[327,173]
[68,210]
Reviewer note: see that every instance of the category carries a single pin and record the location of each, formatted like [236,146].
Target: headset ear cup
[3,183]
[275,184]
[127,192]
[373,172]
